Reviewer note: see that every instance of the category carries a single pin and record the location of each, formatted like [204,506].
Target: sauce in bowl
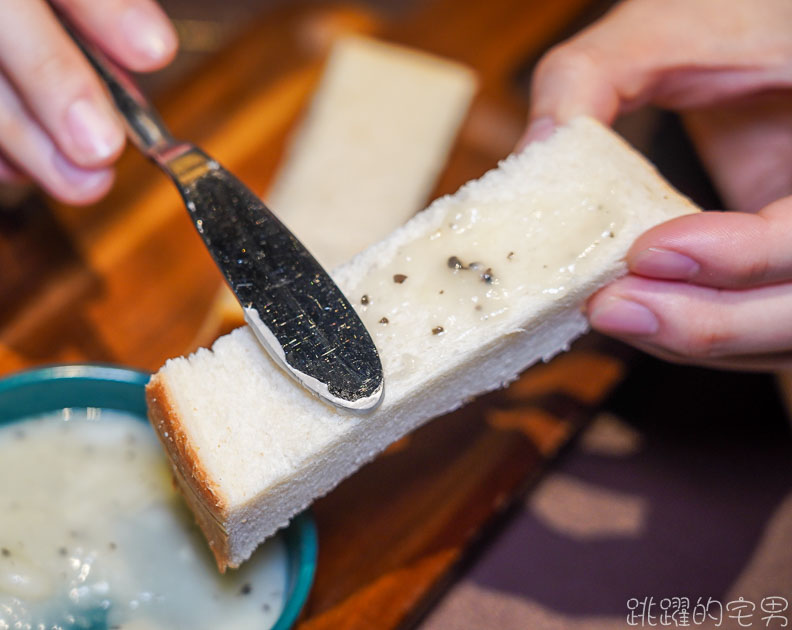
[93,536]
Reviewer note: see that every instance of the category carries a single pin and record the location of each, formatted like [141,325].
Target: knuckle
[756,271]
[63,77]
[708,338]
[9,123]
[50,67]
[12,128]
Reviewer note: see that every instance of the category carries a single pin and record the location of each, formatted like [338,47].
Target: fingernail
[94,133]
[540,129]
[664,263]
[618,316]
[82,179]
[145,32]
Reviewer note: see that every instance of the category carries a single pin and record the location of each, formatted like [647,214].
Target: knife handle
[144,126]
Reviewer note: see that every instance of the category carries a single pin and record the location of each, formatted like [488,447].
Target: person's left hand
[715,288]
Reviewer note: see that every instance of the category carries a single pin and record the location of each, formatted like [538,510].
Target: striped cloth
[682,489]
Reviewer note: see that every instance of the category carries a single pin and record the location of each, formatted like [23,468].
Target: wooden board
[128,281]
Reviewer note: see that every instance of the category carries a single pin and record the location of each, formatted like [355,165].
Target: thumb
[571,81]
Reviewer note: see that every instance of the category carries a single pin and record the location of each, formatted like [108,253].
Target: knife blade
[296,311]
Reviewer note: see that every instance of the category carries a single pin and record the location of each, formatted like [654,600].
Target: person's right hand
[57,125]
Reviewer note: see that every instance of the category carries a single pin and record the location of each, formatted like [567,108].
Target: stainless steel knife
[295,309]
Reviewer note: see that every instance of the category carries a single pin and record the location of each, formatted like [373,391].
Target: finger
[30,150]
[571,81]
[539,129]
[747,148]
[692,321]
[136,33]
[719,249]
[57,84]
[655,51]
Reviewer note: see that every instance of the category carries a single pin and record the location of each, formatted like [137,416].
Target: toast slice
[371,146]
[459,301]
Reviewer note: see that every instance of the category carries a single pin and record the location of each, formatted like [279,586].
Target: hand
[716,288]
[57,125]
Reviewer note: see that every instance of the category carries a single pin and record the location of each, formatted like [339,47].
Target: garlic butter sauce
[93,536]
[472,266]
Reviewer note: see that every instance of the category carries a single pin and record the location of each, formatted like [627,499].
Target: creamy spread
[473,265]
[93,536]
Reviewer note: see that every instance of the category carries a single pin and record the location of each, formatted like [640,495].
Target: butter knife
[290,302]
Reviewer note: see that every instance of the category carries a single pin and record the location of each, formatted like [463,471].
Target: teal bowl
[47,389]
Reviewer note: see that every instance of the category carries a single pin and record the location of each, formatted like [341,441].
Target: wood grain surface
[128,281]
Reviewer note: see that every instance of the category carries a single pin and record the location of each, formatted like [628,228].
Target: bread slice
[371,147]
[459,301]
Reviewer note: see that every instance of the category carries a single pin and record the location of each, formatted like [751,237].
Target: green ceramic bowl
[38,391]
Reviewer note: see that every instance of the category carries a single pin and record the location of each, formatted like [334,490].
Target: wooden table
[128,281]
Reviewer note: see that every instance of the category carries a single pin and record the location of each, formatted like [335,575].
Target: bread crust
[194,482]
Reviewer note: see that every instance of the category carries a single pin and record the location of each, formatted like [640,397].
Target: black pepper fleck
[487,276]
[265,608]
[399,278]
[611,234]
[510,255]
[454,263]
[5,552]
[63,551]
[478,307]
[364,300]
[438,330]
[384,320]
[113,546]
[246,589]
[441,291]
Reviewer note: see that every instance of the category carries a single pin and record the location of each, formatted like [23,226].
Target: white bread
[371,146]
[250,448]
